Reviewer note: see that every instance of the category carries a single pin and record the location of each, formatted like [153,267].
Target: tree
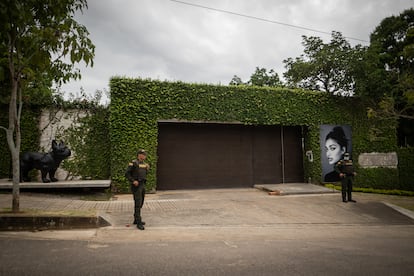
[326,67]
[236,80]
[35,39]
[259,78]
[387,75]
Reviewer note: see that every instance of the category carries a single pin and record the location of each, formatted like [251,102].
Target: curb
[39,223]
[293,189]
[402,210]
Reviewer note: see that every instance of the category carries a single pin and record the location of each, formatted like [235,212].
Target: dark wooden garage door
[199,156]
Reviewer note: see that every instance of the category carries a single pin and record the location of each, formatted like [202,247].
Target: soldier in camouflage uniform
[137,176]
[345,169]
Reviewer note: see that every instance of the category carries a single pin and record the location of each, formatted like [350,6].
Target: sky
[182,41]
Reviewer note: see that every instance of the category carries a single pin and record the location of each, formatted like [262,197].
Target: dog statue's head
[60,150]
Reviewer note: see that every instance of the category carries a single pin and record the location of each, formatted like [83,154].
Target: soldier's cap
[142,151]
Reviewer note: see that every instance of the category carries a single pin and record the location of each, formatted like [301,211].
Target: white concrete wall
[52,124]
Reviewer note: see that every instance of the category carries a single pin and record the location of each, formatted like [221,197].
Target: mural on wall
[335,140]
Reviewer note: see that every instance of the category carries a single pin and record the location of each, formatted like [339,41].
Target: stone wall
[378,160]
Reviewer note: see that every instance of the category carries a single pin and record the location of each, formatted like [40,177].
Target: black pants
[139,195]
[346,188]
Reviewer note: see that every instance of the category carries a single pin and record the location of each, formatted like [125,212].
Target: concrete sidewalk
[226,207]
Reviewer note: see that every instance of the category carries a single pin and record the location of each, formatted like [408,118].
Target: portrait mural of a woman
[334,141]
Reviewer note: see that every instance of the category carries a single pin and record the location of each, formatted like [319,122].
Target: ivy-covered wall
[406,168]
[137,105]
[107,139]
[88,138]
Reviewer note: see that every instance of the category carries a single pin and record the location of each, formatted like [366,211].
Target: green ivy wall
[137,105]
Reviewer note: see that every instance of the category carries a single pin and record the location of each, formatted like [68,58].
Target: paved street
[218,232]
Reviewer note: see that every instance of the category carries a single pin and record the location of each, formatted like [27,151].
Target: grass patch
[374,191]
[407,206]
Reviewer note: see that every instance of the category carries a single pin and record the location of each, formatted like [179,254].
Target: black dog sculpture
[47,163]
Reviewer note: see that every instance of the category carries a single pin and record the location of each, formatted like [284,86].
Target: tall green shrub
[406,168]
[89,140]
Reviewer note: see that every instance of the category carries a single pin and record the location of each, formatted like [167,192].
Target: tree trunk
[14,141]
[16,182]
[15,170]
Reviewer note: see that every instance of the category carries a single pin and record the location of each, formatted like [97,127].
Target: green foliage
[30,136]
[374,191]
[137,105]
[88,139]
[260,78]
[35,37]
[387,72]
[236,80]
[326,67]
[378,178]
[405,168]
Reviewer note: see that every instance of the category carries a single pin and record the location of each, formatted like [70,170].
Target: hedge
[406,168]
[138,104]
[114,134]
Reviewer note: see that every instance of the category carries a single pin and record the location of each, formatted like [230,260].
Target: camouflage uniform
[345,169]
[137,170]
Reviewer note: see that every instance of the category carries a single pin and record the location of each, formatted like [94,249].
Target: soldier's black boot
[350,197]
[140,226]
[136,221]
